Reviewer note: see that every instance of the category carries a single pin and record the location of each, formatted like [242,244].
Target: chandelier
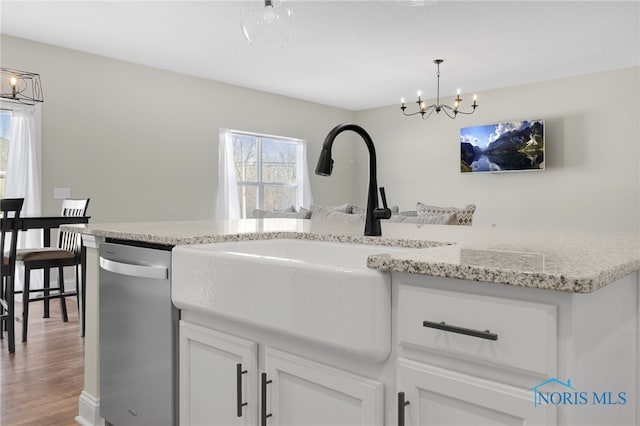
[20,86]
[451,111]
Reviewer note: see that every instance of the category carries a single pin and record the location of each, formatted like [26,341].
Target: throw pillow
[443,219]
[306,213]
[362,210]
[343,208]
[464,215]
[322,213]
[287,209]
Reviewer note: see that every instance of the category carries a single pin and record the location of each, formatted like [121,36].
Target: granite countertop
[579,262]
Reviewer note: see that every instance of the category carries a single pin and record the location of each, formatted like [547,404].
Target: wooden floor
[41,382]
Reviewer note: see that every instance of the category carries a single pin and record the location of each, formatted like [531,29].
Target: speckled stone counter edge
[539,280]
[207,239]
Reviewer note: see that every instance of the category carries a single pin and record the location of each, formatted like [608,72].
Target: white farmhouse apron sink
[317,291]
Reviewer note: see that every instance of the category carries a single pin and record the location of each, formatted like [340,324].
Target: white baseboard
[89,411]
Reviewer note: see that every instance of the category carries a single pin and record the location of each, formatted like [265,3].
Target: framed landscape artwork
[503,147]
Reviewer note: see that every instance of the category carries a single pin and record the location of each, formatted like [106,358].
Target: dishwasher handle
[154,272]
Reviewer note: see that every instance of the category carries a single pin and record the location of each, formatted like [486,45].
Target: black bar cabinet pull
[239,403]
[460,330]
[264,416]
[401,404]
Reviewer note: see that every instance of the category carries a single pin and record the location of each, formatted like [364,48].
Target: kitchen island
[575,295]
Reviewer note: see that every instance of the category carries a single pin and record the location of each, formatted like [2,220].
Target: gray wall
[591,179]
[143,143]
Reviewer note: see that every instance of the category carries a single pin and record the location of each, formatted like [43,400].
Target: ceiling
[349,54]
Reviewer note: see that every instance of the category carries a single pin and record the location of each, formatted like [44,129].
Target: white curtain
[304,187]
[23,179]
[227,206]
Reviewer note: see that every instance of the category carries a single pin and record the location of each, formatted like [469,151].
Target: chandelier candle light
[451,111]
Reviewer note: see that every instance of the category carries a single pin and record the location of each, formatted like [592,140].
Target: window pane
[278,161]
[245,150]
[279,197]
[248,198]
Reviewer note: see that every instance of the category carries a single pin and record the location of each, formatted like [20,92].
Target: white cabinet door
[302,392]
[442,397]
[210,392]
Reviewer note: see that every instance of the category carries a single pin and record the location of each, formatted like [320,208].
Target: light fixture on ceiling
[266,23]
[451,111]
[20,86]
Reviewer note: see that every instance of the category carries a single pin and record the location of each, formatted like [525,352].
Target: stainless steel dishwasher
[138,329]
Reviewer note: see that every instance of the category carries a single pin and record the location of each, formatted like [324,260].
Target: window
[270,172]
[5,131]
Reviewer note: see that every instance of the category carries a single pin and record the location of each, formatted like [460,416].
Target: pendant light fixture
[451,111]
[20,86]
[266,24]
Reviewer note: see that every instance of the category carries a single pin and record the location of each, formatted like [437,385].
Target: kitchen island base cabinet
[297,391]
[576,354]
[209,378]
[437,396]
[305,392]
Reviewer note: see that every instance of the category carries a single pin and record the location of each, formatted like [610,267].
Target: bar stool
[66,253]
[10,209]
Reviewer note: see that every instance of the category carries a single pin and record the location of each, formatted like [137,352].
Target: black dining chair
[66,253]
[10,208]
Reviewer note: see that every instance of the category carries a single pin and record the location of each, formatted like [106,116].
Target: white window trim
[228,205]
